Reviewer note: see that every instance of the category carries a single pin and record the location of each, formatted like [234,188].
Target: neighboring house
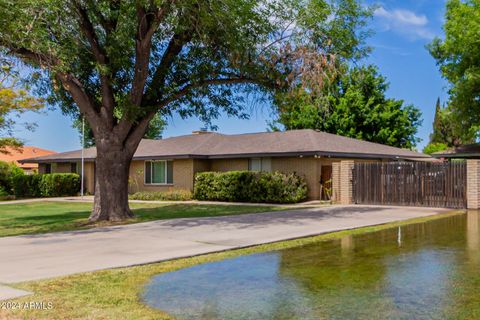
[466,151]
[16,155]
[172,163]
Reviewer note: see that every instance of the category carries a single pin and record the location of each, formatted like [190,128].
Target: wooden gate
[411,184]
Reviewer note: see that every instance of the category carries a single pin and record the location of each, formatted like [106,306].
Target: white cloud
[402,16]
[405,22]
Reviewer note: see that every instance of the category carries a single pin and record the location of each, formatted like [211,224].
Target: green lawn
[42,217]
[115,294]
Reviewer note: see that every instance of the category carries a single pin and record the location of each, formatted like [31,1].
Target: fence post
[346,181]
[473,184]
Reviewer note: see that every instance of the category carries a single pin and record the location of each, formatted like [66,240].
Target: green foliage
[3,192]
[59,184]
[154,130]
[354,105]
[171,195]
[46,185]
[458,56]
[435,147]
[250,186]
[446,130]
[119,63]
[7,172]
[14,100]
[202,55]
[26,186]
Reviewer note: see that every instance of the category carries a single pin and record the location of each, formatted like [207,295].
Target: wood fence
[411,184]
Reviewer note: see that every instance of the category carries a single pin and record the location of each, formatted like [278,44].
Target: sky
[401,31]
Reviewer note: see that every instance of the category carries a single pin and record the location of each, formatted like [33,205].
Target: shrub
[250,186]
[26,186]
[7,172]
[59,184]
[171,195]
[3,192]
[46,185]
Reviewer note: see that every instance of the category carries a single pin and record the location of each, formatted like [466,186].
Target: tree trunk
[111,183]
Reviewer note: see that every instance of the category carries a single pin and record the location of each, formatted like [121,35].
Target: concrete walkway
[11,293]
[34,257]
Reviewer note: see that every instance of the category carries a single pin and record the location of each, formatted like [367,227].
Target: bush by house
[46,185]
[250,186]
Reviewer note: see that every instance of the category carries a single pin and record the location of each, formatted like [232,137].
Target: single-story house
[160,165]
[466,151]
[15,155]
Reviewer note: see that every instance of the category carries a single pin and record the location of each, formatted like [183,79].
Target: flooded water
[419,271]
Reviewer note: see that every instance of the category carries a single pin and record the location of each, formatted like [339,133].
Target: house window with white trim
[159,172]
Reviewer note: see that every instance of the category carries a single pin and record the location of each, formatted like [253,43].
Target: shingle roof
[462,151]
[282,143]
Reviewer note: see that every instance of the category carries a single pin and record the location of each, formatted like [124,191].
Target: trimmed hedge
[250,186]
[7,171]
[171,195]
[46,185]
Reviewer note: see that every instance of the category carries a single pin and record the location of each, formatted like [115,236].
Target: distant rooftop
[210,145]
[470,151]
[15,155]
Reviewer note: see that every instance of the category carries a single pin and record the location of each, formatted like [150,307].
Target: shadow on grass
[31,223]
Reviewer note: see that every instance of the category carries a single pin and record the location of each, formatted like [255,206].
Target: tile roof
[282,143]
[25,152]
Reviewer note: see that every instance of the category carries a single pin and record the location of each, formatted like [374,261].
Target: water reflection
[422,271]
[473,236]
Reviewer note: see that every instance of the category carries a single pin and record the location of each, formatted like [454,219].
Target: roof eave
[33,160]
[457,155]
[319,153]
[248,155]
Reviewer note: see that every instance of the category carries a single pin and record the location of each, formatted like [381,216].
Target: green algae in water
[427,270]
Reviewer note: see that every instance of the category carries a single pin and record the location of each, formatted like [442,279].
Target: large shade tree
[458,56]
[354,104]
[121,62]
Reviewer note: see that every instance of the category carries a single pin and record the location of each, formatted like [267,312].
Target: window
[48,168]
[260,164]
[73,167]
[255,164]
[159,172]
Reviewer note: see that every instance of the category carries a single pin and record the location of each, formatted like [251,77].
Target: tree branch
[41,59]
[88,30]
[148,22]
[139,130]
[174,48]
[109,25]
[108,100]
[81,98]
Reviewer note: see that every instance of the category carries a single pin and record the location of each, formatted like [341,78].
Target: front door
[326,183]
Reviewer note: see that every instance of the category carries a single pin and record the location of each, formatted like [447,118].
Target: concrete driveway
[49,255]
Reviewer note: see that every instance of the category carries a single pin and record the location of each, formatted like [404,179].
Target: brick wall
[473,184]
[335,182]
[346,181]
[62,167]
[308,167]
[222,165]
[182,177]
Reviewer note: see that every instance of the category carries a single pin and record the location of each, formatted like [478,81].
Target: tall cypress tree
[437,135]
